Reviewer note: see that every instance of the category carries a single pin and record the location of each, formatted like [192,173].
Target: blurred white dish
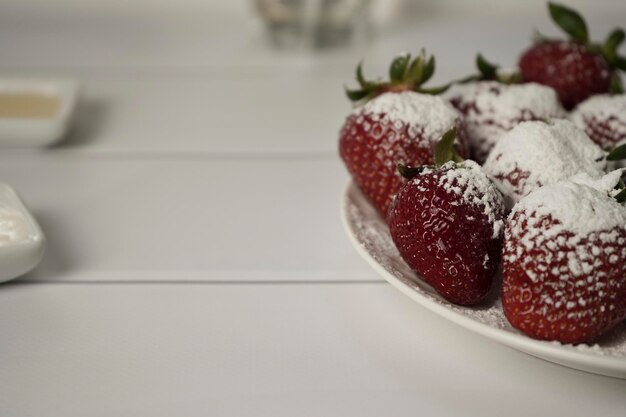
[370,236]
[22,242]
[35,131]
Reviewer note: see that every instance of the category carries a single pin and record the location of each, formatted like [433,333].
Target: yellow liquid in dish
[29,105]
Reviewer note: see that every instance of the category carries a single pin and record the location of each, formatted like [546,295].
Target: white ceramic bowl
[370,236]
[22,243]
[36,132]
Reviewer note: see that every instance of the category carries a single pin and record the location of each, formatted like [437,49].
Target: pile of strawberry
[512,173]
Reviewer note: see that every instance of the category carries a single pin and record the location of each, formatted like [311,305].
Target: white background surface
[197,265]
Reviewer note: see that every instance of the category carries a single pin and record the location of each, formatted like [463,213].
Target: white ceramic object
[37,132]
[370,236]
[22,242]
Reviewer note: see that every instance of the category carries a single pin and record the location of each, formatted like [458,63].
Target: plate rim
[550,351]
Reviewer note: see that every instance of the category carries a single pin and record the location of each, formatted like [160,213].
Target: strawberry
[564,278]
[537,153]
[569,67]
[492,102]
[603,118]
[399,123]
[491,108]
[575,68]
[447,223]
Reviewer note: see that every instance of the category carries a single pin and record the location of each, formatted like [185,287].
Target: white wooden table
[196,262]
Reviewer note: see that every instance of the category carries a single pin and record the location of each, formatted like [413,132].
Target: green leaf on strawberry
[444,150]
[612,43]
[489,72]
[616,85]
[621,196]
[570,21]
[409,172]
[397,70]
[356,95]
[486,68]
[617,154]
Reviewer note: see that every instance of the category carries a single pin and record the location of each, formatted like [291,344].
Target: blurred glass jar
[315,23]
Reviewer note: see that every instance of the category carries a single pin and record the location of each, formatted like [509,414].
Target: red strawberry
[603,118]
[569,67]
[564,278]
[397,125]
[492,102]
[447,224]
[575,68]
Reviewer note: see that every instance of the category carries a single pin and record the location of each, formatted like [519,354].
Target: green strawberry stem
[405,74]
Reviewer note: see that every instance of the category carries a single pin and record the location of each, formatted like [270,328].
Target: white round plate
[370,236]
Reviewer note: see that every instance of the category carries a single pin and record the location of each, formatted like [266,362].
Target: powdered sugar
[581,206]
[468,180]
[603,117]
[538,153]
[584,222]
[491,109]
[605,184]
[427,116]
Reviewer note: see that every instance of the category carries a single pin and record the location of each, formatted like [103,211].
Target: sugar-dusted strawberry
[538,153]
[447,224]
[491,108]
[396,125]
[603,118]
[575,68]
[492,103]
[564,275]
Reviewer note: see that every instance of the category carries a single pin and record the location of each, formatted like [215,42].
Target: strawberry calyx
[621,196]
[408,172]
[444,153]
[572,23]
[444,149]
[617,154]
[488,71]
[405,74]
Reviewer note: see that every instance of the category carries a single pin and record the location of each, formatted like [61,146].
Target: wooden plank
[187,218]
[265,350]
